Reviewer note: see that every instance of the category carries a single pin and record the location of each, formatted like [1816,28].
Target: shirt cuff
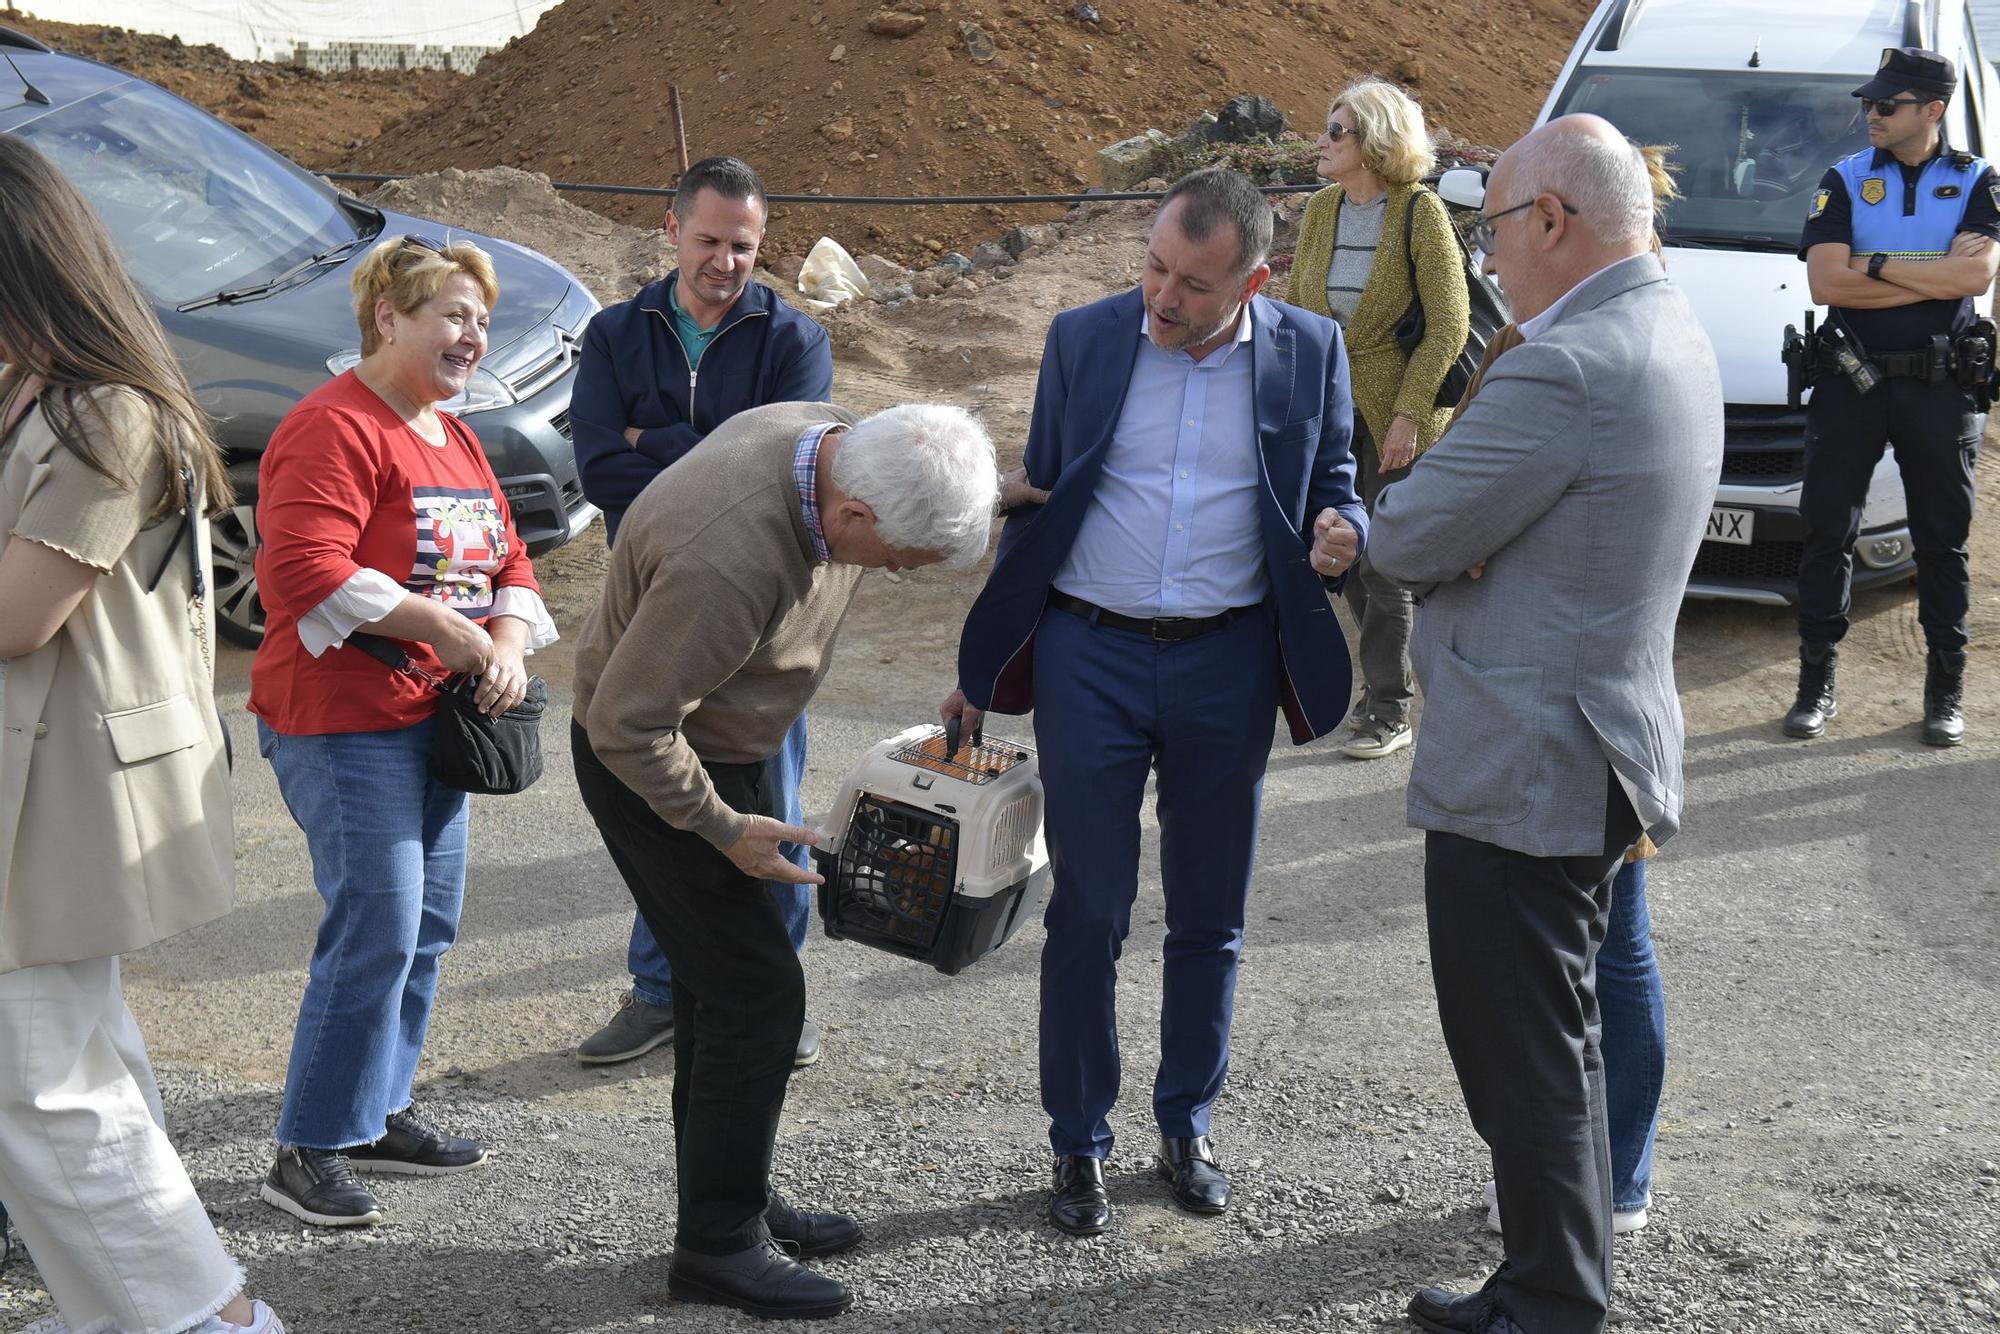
[367,596]
[525,604]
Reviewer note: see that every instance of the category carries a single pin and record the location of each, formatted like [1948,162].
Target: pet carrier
[934,850]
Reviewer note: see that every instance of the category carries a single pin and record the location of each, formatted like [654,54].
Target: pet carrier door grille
[897,868]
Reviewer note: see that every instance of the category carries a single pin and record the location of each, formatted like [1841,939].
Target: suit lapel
[1273,371]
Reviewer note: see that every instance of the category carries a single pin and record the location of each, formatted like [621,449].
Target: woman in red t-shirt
[379,514]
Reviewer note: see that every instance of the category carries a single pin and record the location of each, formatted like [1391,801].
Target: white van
[1758,99]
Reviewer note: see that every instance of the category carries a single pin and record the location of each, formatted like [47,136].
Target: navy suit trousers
[1113,706]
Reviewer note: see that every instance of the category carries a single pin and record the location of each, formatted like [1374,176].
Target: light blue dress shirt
[1172,528]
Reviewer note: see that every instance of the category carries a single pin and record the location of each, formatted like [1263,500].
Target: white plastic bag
[830,276]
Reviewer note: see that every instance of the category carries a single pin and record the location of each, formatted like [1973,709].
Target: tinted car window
[194,207]
[1750,148]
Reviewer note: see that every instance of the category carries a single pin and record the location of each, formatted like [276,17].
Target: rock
[838,130]
[895,23]
[838,53]
[788,268]
[1246,118]
[953,260]
[1131,160]
[927,284]
[1015,241]
[990,255]
[977,44]
[1202,126]
[1410,70]
[1086,14]
[883,274]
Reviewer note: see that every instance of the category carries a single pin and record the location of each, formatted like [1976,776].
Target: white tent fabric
[272,29]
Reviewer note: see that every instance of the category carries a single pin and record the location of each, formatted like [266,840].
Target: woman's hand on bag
[1399,444]
[463,645]
[756,853]
[504,682]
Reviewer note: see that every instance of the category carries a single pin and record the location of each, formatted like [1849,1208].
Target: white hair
[1603,177]
[927,471]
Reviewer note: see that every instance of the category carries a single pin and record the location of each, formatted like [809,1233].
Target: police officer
[1899,240]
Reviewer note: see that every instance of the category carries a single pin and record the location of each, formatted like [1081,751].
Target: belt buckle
[1168,623]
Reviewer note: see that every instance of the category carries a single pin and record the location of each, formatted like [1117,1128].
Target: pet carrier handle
[953,726]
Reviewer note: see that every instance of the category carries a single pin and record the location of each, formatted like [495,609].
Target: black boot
[1815,707]
[1944,681]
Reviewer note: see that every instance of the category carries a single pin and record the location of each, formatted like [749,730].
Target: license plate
[1731,526]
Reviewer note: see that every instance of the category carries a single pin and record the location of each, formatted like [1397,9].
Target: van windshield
[1750,148]
[194,207]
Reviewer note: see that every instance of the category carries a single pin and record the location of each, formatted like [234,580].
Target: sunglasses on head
[1886,106]
[418,239]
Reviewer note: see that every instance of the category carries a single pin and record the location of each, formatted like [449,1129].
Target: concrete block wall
[334,56]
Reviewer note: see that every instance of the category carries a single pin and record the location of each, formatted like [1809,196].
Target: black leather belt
[1166,629]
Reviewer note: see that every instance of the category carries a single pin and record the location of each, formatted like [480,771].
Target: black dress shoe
[1079,1206]
[1461,1313]
[762,1280]
[1199,1185]
[809,1234]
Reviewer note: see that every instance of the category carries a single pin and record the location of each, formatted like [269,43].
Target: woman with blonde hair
[379,514]
[115,827]
[1352,265]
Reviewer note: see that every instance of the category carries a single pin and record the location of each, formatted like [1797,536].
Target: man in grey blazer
[1549,535]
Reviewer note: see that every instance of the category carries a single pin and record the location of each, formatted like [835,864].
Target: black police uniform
[1907,213]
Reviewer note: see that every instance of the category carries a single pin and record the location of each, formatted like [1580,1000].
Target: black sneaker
[414,1147]
[635,1028]
[318,1186]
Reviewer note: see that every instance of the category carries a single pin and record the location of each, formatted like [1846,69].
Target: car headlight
[482,391]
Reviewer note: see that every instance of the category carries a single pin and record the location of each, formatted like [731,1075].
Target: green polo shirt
[694,338]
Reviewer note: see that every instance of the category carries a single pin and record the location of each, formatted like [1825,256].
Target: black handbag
[1488,306]
[471,751]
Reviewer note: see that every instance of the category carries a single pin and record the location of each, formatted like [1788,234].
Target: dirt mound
[612,259]
[981,97]
[311,118]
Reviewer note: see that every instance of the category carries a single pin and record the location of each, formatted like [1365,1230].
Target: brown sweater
[716,625]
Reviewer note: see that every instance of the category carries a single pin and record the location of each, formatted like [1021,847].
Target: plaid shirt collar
[805,471]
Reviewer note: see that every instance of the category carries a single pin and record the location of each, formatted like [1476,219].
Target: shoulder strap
[1410,240]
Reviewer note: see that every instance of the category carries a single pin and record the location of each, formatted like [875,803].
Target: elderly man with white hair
[732,573]
[1549,535]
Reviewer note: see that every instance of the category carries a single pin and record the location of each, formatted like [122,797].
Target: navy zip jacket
[633,372]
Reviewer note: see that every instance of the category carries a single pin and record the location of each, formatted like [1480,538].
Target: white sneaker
[1375,737]
[263,1320]
[1622,1220]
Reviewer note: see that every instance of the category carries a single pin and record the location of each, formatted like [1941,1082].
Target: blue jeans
[652,979]
[388,853]
[1633,1007]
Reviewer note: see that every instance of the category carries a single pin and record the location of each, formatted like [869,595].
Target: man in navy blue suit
[1156,611]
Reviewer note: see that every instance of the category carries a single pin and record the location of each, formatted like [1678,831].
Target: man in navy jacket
[657,374]
[1157,611]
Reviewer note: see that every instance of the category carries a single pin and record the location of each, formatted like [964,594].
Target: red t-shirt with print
[347,484]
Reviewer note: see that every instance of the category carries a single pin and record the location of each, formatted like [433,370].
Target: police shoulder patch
[1819,202]
[1947,192]
[1874,190]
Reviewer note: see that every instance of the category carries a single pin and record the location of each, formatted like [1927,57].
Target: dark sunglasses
[1886,106]
[1336,131]
[1480,230]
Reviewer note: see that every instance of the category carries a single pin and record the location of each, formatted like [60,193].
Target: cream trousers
[100,1197]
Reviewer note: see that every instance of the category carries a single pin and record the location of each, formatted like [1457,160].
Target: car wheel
[239,612]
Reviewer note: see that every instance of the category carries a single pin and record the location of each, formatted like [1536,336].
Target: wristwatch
[1875,263]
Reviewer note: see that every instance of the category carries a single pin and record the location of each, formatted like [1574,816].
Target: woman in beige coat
[114,793]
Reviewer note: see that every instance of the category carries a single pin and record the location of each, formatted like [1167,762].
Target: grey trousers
[1382,608]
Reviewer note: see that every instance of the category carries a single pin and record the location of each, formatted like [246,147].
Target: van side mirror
[1463,187]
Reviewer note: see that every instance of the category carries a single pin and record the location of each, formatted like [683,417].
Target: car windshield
[1750,148]
[194,207]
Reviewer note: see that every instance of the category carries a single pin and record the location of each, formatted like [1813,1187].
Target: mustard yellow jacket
[1386,383]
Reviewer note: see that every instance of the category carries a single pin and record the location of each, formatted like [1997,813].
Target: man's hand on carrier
[955,706]
[757,854]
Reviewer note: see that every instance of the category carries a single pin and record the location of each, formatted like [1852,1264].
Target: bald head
[1586,162]
[1570,198]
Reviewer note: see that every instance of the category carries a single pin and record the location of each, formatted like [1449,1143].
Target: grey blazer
[1582,474]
